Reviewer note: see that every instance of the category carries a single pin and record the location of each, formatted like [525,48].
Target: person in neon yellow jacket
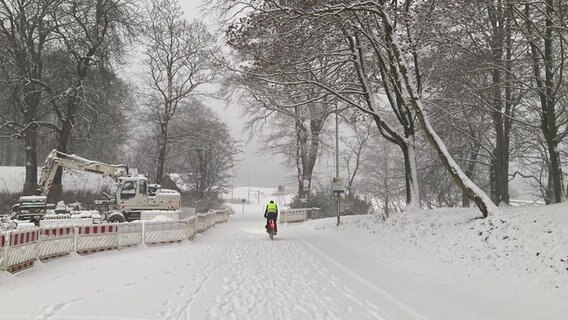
[271,212]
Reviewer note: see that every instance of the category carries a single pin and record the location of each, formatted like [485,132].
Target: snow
[436,265]
[161,218]
[12,180]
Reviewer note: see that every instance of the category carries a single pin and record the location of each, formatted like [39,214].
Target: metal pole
[337,158]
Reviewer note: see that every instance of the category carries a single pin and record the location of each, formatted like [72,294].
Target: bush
[326,201]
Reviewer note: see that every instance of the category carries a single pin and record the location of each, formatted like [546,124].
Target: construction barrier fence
[19,249]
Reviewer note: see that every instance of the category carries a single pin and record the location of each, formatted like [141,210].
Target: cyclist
[271,212]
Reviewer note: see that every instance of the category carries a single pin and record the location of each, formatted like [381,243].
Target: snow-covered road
[234,271]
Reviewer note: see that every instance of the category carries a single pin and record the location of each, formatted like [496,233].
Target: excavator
[134,194]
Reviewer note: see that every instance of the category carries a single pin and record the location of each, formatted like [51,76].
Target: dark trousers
[272,216]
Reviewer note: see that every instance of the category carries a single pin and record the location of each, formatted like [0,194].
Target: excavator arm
[57,159]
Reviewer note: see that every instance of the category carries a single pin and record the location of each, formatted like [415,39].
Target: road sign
[337,185]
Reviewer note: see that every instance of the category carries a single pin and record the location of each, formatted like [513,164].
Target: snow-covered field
[436,265]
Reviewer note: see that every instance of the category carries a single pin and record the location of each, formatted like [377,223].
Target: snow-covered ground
[436,265]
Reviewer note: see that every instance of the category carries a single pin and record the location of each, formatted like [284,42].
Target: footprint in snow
[50,311]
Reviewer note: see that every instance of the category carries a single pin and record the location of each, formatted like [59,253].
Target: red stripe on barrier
[2,241]
[22,238]
[27,237]
[68,230]
[14,240]
[103,229]
[87,230]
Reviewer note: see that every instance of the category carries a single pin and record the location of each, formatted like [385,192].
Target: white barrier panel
[129,233]
[210,219]
[165,231]
[55,242]
[191,227]
[20,249]
[294,215]
[201,222]
[96,238]
[188,211]
[66,222]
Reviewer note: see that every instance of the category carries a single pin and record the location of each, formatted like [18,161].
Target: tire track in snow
[293,279]
[187,291]
[374,312]
[327,313]
[264,283]
[183,312]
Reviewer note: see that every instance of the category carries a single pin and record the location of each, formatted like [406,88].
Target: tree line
[63,85]
[447,100]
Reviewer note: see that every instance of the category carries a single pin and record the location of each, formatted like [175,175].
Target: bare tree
[180,59]
[373,56]
[204,150]
[482,42]
[342,68]
[294,134]
[26,28]
[355,147]
[545,33]
[90,34]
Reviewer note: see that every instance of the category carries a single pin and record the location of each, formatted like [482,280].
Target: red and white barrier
[165,231]
[221,216]
[55,242]
[19,249]
[96,238]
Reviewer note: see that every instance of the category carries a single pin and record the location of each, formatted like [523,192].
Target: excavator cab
[132,192]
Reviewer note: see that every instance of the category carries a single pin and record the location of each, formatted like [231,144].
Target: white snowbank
[528,241]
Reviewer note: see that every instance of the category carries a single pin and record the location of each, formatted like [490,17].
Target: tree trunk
[162,148]
[469,170]
[410,173]
[30,143]
[547,100]
[482,201]
[64,135]
[500,44]
[67,119]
